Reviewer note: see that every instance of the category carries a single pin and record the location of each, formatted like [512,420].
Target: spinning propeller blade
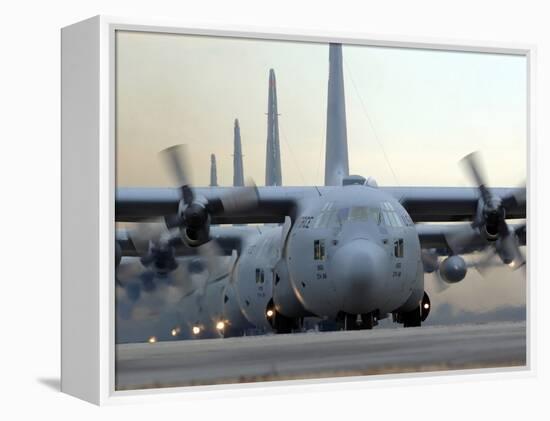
[489,228]
[195,213]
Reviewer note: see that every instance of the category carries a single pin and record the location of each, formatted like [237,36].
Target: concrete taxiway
[319,354]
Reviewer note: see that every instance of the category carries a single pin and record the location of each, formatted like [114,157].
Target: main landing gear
[281,323]
[415,317]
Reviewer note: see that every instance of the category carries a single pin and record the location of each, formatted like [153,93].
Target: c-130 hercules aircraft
[349,251]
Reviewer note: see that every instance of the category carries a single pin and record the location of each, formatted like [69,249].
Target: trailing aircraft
[349,251]
[200,289]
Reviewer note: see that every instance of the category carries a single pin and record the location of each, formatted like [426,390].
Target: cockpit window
[325,219]
[360,213]
[390,216]
[396,222]
[343,214]
[364,213]
[331,217]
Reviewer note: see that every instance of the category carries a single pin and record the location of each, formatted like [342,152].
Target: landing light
[196,330]
[175,331]
[270,313]
[220,325]
[152,339]
[426,306]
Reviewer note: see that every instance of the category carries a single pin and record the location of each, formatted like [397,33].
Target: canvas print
[297,210]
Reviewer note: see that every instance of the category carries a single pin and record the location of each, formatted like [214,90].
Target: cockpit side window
[326,219]
[407,219]
[398,248]
[390,216]
[319,250]
[343,215]
[375,215]
[260,276]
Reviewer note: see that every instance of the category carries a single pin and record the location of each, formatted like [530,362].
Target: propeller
[154,247]
[486,261]
[195,213]
[142,292]
[155,278]
[489,227]
[440,285]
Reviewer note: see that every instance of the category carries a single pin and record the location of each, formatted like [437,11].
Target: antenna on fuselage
[336,149]
[273,175]
[238,175]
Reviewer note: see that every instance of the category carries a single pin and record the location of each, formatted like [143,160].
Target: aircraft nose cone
[360,271]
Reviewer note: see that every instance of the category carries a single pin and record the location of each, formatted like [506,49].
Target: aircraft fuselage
[353,250]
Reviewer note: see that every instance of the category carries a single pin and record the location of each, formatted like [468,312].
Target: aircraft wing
[445,204]
[424,204]
[138,204]
[433,236]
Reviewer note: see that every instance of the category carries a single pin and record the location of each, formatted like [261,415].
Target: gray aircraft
[215,308]
[185,285]
[349,251]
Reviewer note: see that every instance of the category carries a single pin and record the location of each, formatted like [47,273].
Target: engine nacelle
[196,230]
[195,238]
[453,269]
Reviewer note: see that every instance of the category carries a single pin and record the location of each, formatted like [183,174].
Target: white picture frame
[88,191]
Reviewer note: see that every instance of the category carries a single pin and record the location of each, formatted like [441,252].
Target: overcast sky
[425,109]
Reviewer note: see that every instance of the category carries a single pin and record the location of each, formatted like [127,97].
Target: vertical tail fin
[213,171]
[238,175]
[336,152]
[273,176]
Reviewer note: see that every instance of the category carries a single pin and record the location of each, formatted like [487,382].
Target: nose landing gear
[357,321]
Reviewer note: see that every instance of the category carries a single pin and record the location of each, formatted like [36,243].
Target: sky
[411,116]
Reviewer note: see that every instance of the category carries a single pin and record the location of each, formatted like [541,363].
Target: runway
[319,354]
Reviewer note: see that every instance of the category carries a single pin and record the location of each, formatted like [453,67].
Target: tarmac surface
[319,354]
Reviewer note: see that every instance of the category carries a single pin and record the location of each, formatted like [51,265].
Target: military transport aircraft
[349,251]
[161,284]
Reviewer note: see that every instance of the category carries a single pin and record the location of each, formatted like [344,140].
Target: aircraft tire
[283,324]
[368,321]
[351,322]
[412,318]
